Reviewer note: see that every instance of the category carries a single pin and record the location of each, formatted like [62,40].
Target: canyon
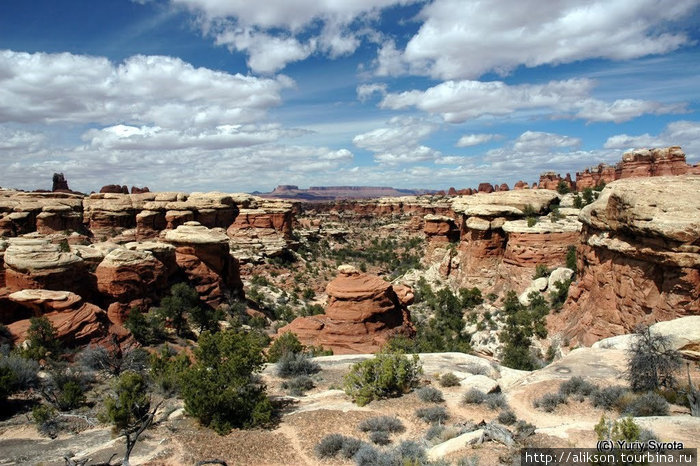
[636,251]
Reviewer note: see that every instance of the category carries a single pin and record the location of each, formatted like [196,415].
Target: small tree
[182,301]
[43,339]
[220,388]
[129,409]
[285,343]
[651,361]
[521,324]
[571,258]
[563,187]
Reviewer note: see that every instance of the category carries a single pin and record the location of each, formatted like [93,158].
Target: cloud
[365,91]
[678,133]
[143,90]
[469,140]
[537,141]
[466,39]
[271,31]
[459,101]
[399,142]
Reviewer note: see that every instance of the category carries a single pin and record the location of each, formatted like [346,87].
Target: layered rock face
[77,322]
[497,249]
[638,260]
[363,312]
[204,256]
[46,213]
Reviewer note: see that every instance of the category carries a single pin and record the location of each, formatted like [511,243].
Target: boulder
[537,285]
[560,274]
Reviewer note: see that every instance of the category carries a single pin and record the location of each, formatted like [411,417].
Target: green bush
[449,380]
[561,292]
[43,339]
[531,222]
[220,389]
[529,211]
[183,306]
[430,395]
[25,372]
[563,187]
[522,323]
[295,364]
[285,343]
[571,258]
[7,383]
[167,370]
[433,414]
[541,270]
[385,375]
[147,328]
[382,424]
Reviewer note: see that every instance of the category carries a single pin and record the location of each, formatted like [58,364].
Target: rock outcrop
[77,322]
[363,312]
[638,260]
[203,255]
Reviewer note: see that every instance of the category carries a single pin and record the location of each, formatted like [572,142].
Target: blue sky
[235,95]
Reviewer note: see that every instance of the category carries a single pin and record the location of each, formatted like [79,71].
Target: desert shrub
[507,417]
[296,364]
[381,423]
[432,414]
[113,362]
[430,395]
[410,450]
[541,271]
[622,429]
[147,328]
[474,397]
[449,380]
[522,323]
[220,389]
[167,370]
[563,187]
[652,361]
[334,444]
[531,222]
[43,339]
[298,385]
[434,431]
[64,388]
[285,343]
[477,369]
[549,402]
[470,297]
[529,210]
[647,404]
[571,258]
[577,386]
[24,371]
[385,375]
[379,438]
[495,401]
[7,381]
[557,297]
[608,397]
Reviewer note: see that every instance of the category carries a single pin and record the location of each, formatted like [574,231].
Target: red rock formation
[129,276]
[452,191]
[440,228]
[363,312]
[551,180]
[203,254]
[504,187]
[114,189]
[638,259]
[520,185]
[77,323]
[59,183]
[137,190]
[592,177]
[485,188]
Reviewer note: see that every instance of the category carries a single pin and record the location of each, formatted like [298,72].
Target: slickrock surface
[639,260]
[363,312]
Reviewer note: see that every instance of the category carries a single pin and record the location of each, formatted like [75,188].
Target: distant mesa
[116,189]
[331,193]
